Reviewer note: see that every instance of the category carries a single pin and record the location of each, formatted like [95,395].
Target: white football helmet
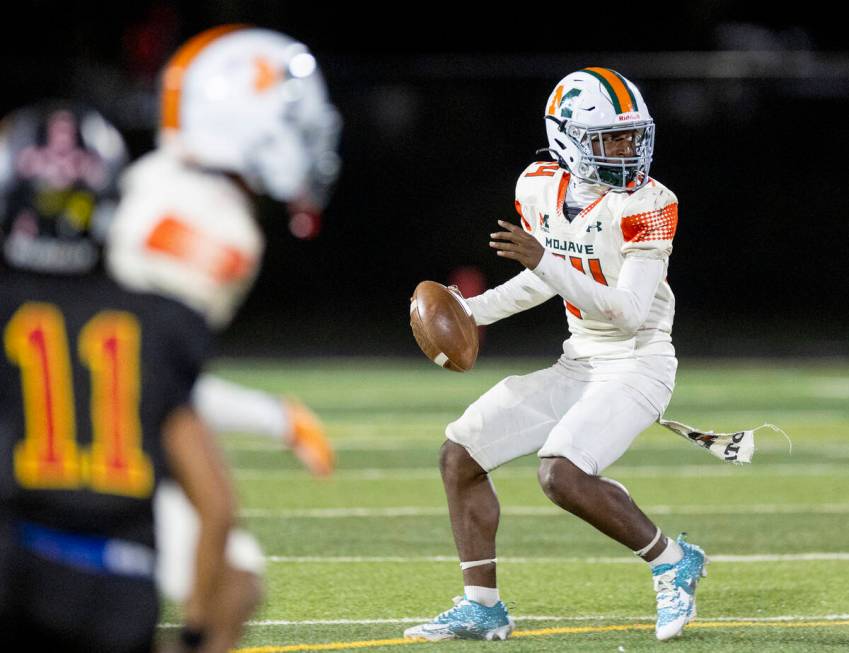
[253,102]
[582,108]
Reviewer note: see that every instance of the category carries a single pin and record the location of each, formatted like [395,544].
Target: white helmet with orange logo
[253,102]
[586,105]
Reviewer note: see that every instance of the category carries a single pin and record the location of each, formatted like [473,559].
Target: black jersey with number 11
[89,375]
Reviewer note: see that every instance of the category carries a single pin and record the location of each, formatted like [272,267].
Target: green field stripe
[697,471]
[541,632]
[619,591]
[296,492]
[574,630]
[542,511]
[548,537]
[333,646]
[268,623]
[590,560]
[647,445]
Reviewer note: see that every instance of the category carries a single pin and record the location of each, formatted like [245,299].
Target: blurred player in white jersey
[244,111]
[279,138]
[597,231]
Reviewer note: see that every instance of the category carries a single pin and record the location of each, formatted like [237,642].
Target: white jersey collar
[583,193]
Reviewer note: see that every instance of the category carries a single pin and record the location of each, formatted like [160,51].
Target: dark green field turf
[372,547]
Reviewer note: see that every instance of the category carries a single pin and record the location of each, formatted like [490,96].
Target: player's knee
[456,465]
[560,479]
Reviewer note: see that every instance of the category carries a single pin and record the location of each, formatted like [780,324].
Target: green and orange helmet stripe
[617,88]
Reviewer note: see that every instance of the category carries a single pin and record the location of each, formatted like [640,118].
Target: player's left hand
[517,245]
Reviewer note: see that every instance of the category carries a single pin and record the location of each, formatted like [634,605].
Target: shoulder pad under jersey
[185,233]
[649,215]
[542,184]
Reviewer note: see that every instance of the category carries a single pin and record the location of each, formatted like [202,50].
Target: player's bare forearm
[197,465]
[515,244]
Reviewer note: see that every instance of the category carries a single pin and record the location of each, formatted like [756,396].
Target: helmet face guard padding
[253,102]
[584,107]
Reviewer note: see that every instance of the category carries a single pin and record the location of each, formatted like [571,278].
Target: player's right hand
[516,244]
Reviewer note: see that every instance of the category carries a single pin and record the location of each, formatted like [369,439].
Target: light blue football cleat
[676,590]
[466,620]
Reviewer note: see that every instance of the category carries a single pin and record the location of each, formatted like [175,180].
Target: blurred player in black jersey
[95,408]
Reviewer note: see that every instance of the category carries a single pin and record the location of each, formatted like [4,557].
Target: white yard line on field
[532,511]
[236,444]
[340,444]
[630,471]
[831,388]
[617,560]
[411,620]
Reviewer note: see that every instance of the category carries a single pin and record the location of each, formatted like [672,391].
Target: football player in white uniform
[244,111]
[597,231]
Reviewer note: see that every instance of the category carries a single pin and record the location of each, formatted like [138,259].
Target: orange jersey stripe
[219,260]
[595,271]
[659,224]
[574,310]
[618,87]
[525,224]
[589,207]
[561,190]
[175,70]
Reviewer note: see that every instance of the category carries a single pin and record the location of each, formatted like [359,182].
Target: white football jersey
[187,233]
[610,226]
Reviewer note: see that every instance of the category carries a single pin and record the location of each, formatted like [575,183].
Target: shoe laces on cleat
[665,587]
[442,617]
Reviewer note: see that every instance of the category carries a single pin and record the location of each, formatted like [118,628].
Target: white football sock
[228,407]
[487,596]
[669,556]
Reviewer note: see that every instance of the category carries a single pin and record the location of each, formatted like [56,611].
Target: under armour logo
[596,226]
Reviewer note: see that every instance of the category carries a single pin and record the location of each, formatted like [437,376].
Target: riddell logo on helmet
[633,115]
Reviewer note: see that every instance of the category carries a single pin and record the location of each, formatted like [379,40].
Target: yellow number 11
[49,456]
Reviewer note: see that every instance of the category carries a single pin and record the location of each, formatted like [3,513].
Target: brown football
[443,326]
